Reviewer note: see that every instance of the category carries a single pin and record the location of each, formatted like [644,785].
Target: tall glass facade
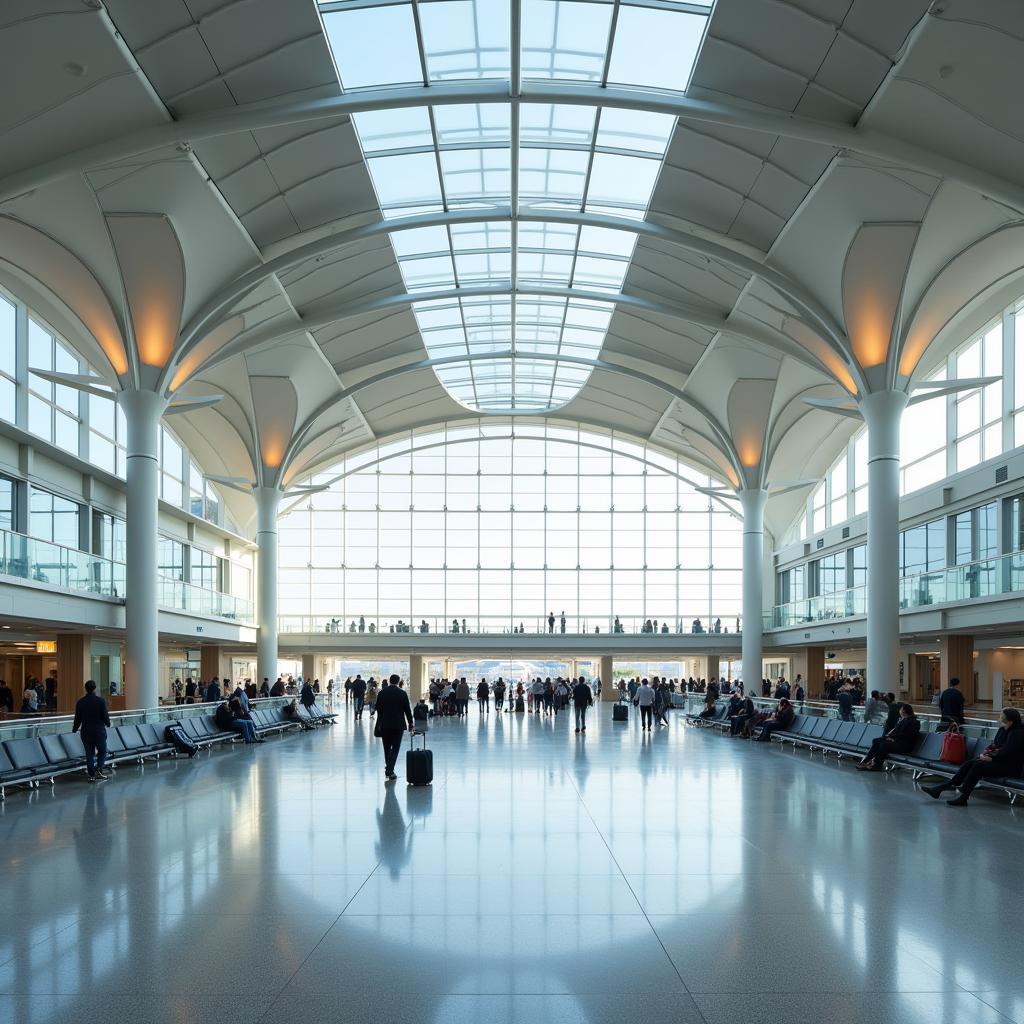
[502,524]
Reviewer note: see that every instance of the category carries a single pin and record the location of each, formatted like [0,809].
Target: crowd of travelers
[39,695]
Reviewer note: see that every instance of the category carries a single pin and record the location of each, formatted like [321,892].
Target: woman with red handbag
[1003,758]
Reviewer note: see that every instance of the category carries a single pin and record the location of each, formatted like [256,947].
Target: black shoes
[960,801]
[933,791]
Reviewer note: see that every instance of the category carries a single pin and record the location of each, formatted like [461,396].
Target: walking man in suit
[394,716]
[93,718]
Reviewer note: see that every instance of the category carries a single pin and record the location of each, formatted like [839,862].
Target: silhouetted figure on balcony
[551,622]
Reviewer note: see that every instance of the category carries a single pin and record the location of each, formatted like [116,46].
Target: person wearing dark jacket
[483,696]
[278,689]
[951,703]
[893,715]
[746,712]
[779,722]
[845,699]
[212,694]
[190,692]
[93,719]
[582,698]
[6,697]
[1003,758]
[901,739]
[307,697]
[358,694]
[394,716]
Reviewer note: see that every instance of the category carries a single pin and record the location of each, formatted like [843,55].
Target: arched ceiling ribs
[815,312]
[718,438]
[255,116]
[333,458]
[324,315]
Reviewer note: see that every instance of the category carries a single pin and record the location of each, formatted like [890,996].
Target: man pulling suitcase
[394,716]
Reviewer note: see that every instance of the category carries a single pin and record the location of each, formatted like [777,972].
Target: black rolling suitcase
[419,765]
[180,740]
[620,713]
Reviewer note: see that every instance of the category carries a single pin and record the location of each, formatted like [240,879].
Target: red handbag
[954,745]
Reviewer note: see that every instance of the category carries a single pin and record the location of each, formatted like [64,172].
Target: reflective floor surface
[679,877]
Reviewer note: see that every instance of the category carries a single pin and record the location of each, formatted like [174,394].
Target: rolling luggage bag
[620,713]
[180,740]
[419,765]
[520,706]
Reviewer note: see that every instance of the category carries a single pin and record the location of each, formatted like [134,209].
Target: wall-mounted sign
[195,655]
[46,647]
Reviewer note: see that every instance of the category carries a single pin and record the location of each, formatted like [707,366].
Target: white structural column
[268,503]
[142,411]
[882,412]
[753,501]
[417,676]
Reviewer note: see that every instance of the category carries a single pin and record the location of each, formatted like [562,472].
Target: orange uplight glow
[869,325]
[273,452]
[749,451]
[155,329]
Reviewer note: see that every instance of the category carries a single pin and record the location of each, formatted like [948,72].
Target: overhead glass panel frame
[518,159]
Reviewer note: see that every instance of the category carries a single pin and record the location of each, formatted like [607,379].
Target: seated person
[746,712]
[292,713]
[230,715]
[901,739]
[1003,758]
[779,722]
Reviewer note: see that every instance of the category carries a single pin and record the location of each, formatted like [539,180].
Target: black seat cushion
[26,753]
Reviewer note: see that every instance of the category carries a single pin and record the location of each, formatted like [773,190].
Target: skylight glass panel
[384,130]
[608,241]
[564,39]
[465,39]
[472,124]
[356,37]
[553,176]
[476,175]
[416,241]
[551,124]
[406,182]
[569,157]
[635,131]
[655,48]
[621,184]
[428,272]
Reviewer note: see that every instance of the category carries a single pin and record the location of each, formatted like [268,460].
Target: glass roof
[505,279]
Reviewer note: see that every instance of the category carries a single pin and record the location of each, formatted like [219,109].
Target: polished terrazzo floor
[678,877]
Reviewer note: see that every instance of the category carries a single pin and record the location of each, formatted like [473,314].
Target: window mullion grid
[1009,377]
[516,82]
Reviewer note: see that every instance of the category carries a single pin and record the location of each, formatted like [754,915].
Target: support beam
[268,500]
[753,501]
[607,674]
[74,666]
[713,670]
[209,663]
[255,116]
[142,411]
[882,412]
[814,683]
[956,656]
[417,685]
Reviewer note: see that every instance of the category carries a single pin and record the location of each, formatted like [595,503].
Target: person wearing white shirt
[645,701]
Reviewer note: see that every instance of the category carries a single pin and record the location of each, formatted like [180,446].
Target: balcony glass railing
[186,597]
[577,625]
[55,565]
[989,577]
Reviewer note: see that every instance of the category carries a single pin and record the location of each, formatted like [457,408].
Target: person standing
[582,698]
[6,697]
[951,704]
[358,689]
[551,622]
[562,621]
[394,716]
[499,694]
[844,697]
[212,694]
[92,718]
[645,701]
[462,697]
[537,695]
[483,697]
[371,696]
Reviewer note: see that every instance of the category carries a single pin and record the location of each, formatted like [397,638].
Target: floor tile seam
[276,998]
[643,910]
[980,996]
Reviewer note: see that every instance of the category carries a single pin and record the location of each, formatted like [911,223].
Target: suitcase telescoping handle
[423,736]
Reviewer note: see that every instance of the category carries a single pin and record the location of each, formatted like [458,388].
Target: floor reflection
[544,876]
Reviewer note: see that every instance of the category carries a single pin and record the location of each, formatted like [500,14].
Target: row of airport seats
[852,739]
[33,759]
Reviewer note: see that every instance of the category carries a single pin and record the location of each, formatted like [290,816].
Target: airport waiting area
[511,511]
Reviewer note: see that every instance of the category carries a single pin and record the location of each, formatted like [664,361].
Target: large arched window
[500,523]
